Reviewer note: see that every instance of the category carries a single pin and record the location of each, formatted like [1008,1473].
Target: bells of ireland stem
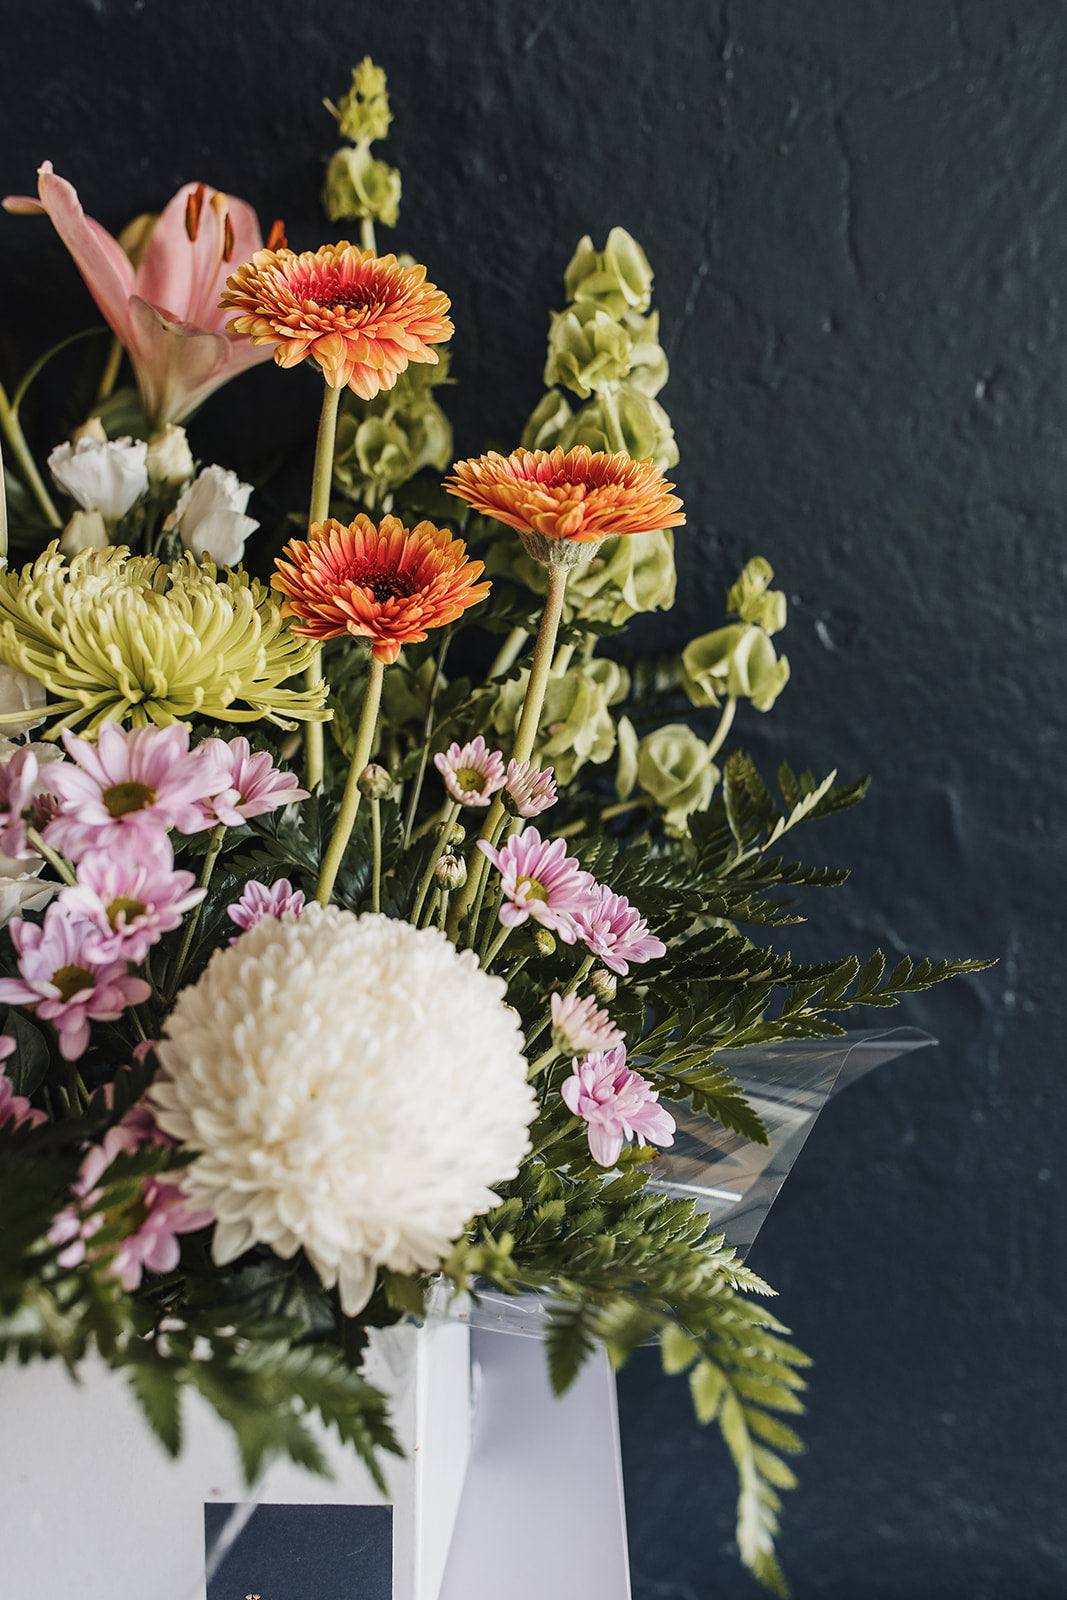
[618,278]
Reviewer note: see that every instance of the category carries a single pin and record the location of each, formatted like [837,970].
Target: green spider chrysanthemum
[116,637]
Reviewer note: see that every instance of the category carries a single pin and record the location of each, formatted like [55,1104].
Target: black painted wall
[858,217]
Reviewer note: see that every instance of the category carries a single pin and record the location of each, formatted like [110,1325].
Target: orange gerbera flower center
[389,583]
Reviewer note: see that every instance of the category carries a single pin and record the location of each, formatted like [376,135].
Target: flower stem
[191,926]
[376,829]
[494,947]
[445,833]
[724,726]
[543,1061]
[529,721]
[110,372]
[319,510]
[442,910]
[494,916]
[368,723]
[9,422]
[63,868]
[427,733]
[508,652]
[366,234]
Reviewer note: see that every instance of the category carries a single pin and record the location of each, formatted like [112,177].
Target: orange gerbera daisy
[581,497]
[362,317]
[389,584]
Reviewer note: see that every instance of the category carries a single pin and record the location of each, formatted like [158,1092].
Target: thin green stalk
[723,729]
[319,510]
[214,846]
[536,1032]
[366,234]
[508,653]
[476,910]
[495,947]
[529,720]
[110,372]
[368,723]
[543,1061]
[563,660]
[62,867]
[376,832]
[494,916]
[39,365]
[427,733]
[9,422]
[439,849]
[442,910]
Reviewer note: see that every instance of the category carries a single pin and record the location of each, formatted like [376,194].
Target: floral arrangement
[346,959]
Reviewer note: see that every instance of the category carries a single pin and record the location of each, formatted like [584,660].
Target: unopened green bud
[363,113]
[545,941]
[451,872]
[603,983]
[456,832]
[618,278]
[375,783]
[358,185]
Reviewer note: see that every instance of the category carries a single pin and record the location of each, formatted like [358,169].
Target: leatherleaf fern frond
[624,1267]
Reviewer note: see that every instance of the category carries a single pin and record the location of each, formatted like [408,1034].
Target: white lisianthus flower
[21,889]
[19,694]
[351,1086]
[105,475]
[210,517]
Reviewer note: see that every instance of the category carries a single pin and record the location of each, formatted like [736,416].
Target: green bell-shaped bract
[752,599]
[363,114]
[617,278]
[576,724]
[359,185]
[736,661]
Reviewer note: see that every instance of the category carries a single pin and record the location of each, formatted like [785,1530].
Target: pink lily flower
[166,311]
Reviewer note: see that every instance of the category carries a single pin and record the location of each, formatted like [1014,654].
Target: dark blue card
[292,1552]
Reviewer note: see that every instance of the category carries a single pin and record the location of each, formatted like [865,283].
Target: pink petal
[101,260]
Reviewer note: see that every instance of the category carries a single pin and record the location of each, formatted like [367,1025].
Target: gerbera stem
[529,720]
[376,829]
[444,833]
[64,869]
[366,234]
[322,477]
[9,422]
[368,723]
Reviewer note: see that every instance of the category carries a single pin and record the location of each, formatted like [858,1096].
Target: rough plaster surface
[858,218]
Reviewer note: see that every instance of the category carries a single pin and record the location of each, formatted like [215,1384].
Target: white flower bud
[170,460]
[92,429]
[108,476]
[86,530]
[210,516]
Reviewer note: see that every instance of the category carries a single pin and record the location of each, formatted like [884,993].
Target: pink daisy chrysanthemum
[473,773]
[61,981]
[615,931]
[144,778]
[14,1106]
[617,1103]
[18,783]
[253,784]
[260,900]
[160,1212]
[131,895]
[529,790]
[579,1025]
[540,880]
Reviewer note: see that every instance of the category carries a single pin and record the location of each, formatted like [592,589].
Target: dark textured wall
[858,217]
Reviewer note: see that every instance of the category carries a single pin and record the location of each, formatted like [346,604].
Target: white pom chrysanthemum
[352,1086]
